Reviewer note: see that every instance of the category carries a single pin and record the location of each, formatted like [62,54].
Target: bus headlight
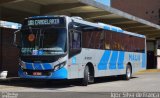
[59,66]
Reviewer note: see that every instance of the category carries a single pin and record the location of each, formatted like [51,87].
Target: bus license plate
[37,73]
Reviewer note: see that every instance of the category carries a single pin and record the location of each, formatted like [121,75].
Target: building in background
[158,53]
[145,9]
[148,10]
[8,53]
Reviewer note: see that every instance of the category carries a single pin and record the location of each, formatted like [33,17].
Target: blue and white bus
[62,47]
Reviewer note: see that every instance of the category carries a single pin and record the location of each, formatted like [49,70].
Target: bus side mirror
[15,41]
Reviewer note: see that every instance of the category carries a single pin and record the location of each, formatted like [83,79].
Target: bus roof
[97,25]
[106,27]
[37,17]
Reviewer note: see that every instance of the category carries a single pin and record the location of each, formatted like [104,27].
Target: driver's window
[76,40]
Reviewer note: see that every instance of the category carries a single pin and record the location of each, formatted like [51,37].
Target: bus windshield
[43,41]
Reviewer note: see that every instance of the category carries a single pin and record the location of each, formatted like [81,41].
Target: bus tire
[128,74]
[85,79]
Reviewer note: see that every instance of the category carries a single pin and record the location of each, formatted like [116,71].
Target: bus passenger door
[74,50]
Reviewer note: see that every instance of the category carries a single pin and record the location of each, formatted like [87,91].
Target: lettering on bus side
[88,58]
[134,57]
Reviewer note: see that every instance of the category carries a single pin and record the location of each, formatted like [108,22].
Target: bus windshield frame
[43,40]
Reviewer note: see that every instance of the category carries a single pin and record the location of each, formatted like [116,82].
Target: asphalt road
[146,82]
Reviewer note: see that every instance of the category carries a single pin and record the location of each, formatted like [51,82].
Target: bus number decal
[88,58]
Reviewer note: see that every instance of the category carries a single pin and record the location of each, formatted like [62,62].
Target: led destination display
[43,22]
[60,22]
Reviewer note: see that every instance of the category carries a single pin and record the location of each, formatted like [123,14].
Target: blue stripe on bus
[47,66]
[29,66]
[38,66]
[113,60]
[143,60]
[60,74]
[104,60]
[121,60]
[113,29]
[119,30]
[106,27]
[37,17]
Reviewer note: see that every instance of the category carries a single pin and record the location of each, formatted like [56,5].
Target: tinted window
[93,39]
[99,39]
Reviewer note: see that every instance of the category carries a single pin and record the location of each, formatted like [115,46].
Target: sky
[106,2]
[7,24]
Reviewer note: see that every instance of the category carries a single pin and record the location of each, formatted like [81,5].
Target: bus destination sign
[48,21]
[43,22]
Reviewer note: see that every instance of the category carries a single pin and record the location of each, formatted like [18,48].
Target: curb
[148,71]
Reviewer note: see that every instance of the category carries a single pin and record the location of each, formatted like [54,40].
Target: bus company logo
[9,95]
[134,57]
[37,66]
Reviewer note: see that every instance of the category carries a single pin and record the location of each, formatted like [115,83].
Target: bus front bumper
[59,74]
